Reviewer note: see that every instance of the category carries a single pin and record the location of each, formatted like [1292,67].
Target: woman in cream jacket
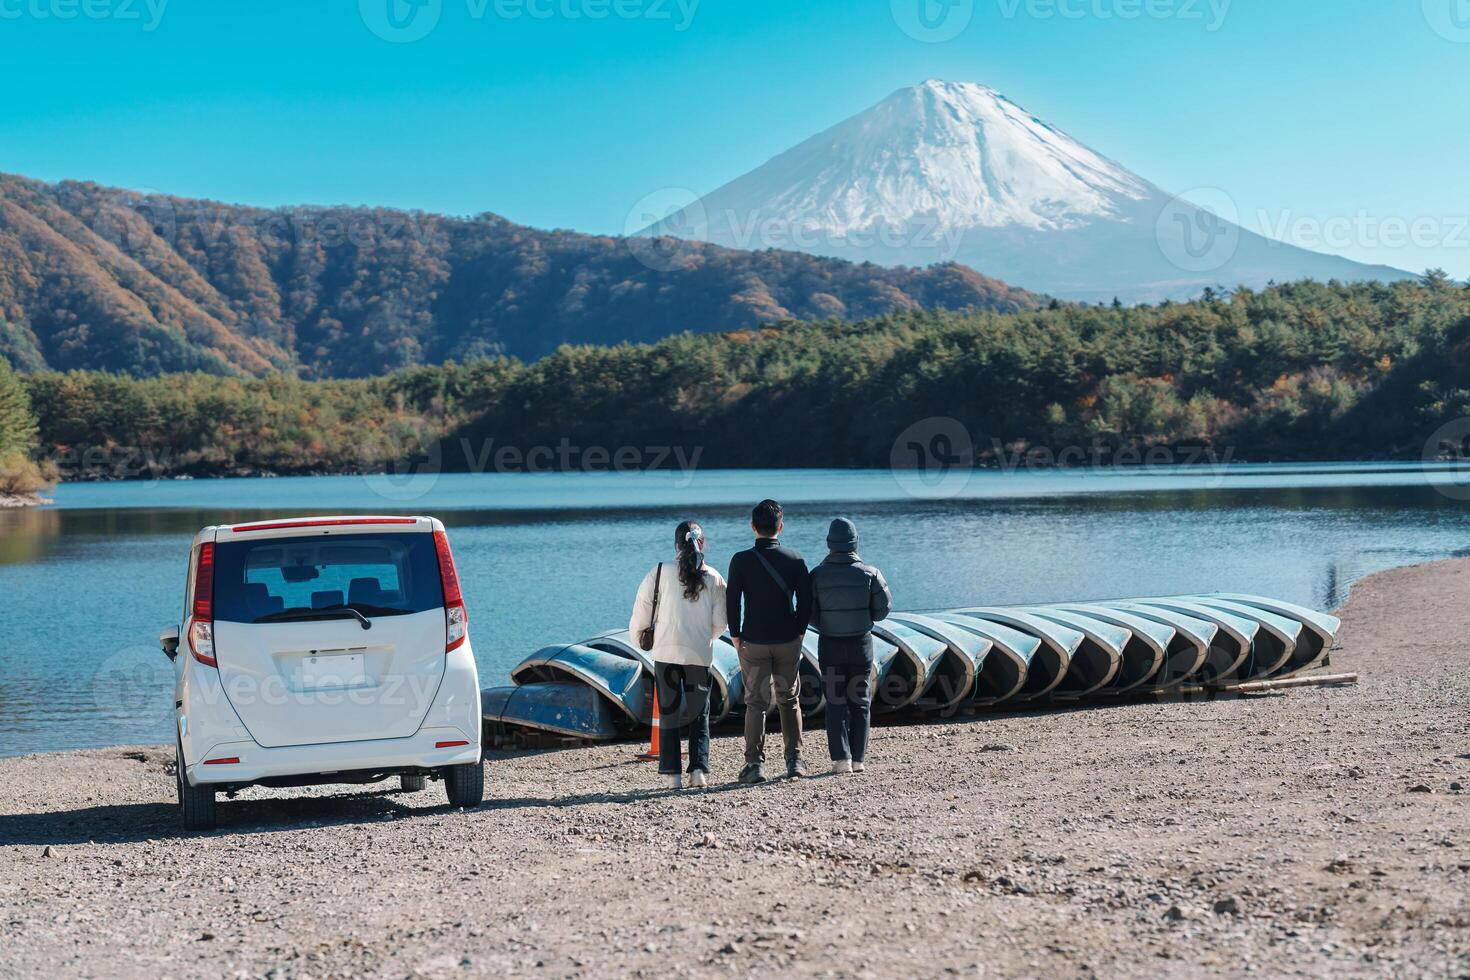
[690,615]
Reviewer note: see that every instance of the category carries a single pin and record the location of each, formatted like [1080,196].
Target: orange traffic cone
[652,754]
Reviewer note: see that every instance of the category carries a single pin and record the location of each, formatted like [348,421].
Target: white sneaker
[841,767]
[675,781]
[698,780]
[857,767]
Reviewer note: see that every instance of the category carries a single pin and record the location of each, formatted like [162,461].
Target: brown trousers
[764,666]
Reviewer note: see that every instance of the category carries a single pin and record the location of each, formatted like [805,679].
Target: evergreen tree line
[19,473]
[1301,371]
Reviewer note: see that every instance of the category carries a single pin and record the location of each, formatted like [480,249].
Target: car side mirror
[168,642]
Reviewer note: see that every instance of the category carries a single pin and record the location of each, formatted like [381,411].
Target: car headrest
[364,590]
[323,600]
[260,602]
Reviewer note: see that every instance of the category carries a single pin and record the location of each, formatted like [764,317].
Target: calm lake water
[86,584]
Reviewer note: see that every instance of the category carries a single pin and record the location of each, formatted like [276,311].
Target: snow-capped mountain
[949,171]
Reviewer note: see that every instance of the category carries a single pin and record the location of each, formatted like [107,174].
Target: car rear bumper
[421,750]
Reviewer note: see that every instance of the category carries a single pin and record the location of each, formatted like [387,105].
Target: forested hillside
[1304,371]
[19,473]
[105,279]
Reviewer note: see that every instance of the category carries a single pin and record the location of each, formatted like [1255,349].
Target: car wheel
[413,784]
[465,785]
[196,803]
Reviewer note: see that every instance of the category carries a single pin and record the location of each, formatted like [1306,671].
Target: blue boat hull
[559,707]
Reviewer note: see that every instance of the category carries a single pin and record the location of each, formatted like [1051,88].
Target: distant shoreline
[981,466]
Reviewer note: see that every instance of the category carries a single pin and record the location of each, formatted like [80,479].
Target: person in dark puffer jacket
[848,597]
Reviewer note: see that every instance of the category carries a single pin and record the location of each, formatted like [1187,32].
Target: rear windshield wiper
[325,612]
[367,609]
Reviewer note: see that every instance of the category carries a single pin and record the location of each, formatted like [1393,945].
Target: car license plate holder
[332,672]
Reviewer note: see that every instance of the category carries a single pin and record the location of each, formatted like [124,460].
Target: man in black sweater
[773,581]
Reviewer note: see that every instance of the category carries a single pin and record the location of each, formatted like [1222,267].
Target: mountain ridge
[103,278]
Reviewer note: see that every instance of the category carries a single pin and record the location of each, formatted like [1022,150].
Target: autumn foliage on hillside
[104,279]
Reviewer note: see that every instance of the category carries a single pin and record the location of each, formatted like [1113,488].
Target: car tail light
[456,616]
[451,744]
[201,622]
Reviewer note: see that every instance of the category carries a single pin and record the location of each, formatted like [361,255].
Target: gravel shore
[1313,832]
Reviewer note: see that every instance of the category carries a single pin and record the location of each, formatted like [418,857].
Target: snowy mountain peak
[948,154]
[955,171]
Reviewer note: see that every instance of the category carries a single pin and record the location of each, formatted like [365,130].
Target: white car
[323,650]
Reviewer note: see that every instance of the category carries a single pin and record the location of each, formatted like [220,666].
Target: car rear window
[376,574]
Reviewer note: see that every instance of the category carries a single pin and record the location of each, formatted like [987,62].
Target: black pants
[683,713]
[847,684]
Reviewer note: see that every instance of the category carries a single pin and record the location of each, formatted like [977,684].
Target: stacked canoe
[977,657]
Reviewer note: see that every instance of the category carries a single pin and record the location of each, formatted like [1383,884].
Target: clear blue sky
[1304,111]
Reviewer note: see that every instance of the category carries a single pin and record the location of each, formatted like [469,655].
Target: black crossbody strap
[785,589]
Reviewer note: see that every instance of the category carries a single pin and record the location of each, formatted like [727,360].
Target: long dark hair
[689,541]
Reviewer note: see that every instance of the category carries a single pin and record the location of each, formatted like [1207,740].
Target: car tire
[196,803]
[465,785]
[413,784]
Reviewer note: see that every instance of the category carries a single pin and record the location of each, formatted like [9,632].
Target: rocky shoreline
[1321,831]
[12,500]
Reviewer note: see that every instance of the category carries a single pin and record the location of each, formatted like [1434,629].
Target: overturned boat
[622,682]
[959,665]
[1005,676]
[557,707]
[972,658]
[912,670]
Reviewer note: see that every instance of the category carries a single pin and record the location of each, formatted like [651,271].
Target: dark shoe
[795,768]
[752,774]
